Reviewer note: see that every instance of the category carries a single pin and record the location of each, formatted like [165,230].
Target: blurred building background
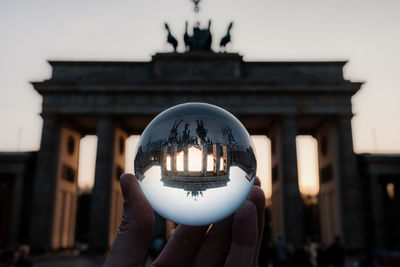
[358,194]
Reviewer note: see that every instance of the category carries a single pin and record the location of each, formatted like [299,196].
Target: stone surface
[100,220]
[44,187]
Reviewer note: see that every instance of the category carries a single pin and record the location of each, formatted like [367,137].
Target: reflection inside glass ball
[195,163]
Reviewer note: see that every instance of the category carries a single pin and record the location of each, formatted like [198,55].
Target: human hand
[234,241]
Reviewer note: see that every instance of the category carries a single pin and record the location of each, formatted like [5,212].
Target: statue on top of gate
[201,39]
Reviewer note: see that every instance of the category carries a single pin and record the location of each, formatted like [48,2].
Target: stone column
[118,169]
[204,153]
[66,190]
[329,193]
[292,202]
[350,188]
[44,185]
[286,199]
[185,161]
[276,196]
[102,189]
[106,206]
[216,156]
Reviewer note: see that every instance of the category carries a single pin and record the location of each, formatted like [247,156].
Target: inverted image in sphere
[195,163]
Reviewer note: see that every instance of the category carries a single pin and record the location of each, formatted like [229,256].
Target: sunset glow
[168,163]
[210,162]
[307,162]
[179,161]
[195,160]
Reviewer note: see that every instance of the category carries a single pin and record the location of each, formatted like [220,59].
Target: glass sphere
[195,163]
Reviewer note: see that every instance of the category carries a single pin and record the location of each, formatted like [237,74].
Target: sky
[363,32]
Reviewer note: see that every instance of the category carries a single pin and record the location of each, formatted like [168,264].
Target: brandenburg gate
[114,100]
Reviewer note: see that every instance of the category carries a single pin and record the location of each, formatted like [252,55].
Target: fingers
[182,247]
[218,240]
[234,241]
[244,236]
[216,245]
[257,196]
[134,235]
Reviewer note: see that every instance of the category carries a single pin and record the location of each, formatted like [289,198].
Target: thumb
[134,235]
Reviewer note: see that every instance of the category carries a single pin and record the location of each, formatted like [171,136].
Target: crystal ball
[195,163]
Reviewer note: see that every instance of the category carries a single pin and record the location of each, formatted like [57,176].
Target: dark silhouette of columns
[102,190]
[106,206]
[292,202]
[350,188]
[44,185]
[329,195]
[287,208]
